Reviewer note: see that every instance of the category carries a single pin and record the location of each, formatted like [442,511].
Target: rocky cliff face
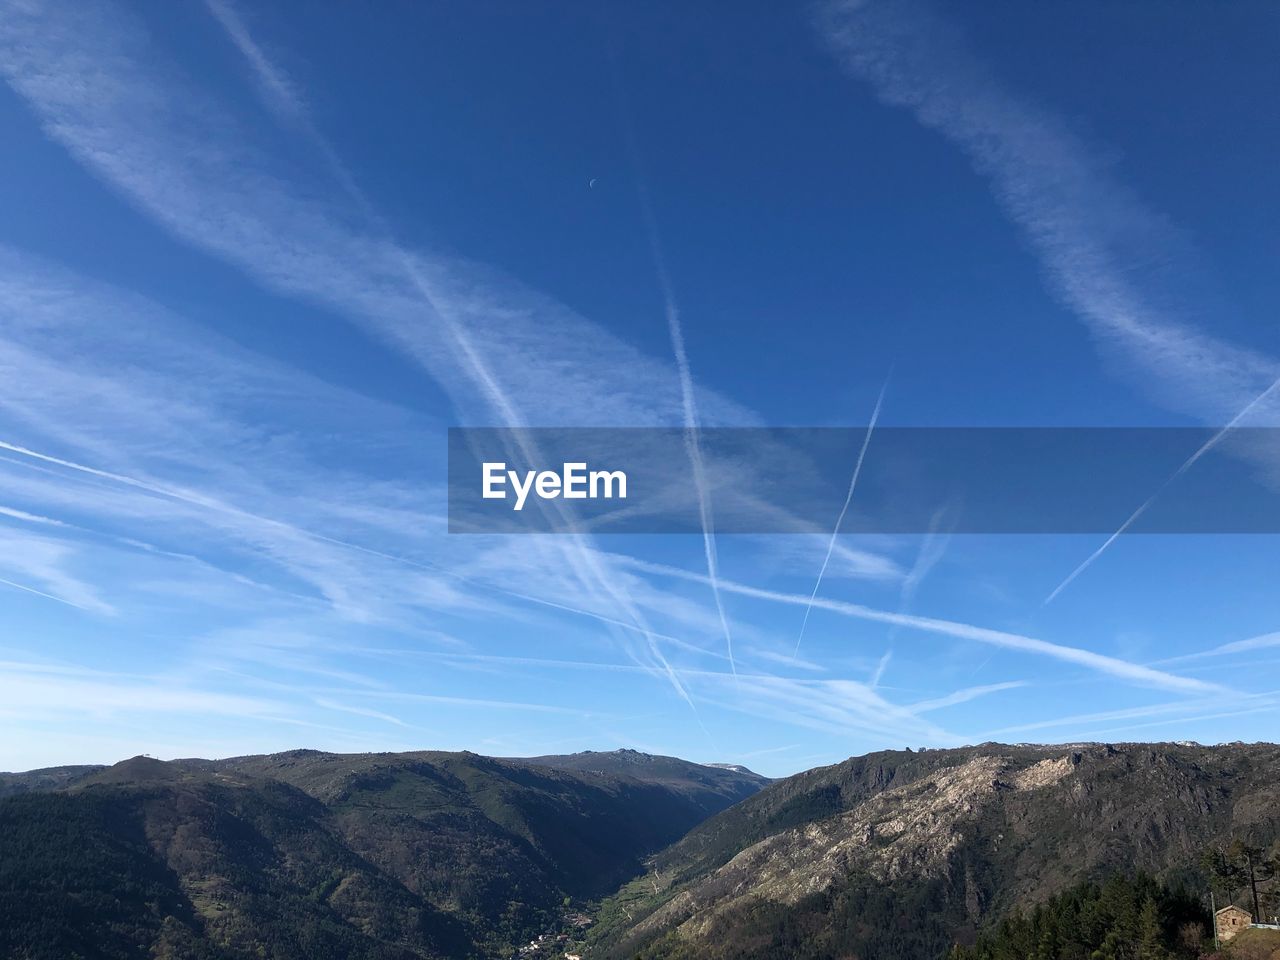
[978,830]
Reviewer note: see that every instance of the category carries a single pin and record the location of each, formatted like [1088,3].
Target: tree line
[1248,875]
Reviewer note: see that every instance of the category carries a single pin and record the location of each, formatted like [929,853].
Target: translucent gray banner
[913,479]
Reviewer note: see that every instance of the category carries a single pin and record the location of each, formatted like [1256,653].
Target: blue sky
[255,260]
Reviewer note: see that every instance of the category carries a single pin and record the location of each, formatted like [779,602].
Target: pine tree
[1150,936]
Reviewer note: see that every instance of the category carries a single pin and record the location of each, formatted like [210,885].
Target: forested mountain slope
[308,854]
[900,854]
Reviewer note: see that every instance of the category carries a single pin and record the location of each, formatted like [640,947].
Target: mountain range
[309,854]
[902,854]
[430,854]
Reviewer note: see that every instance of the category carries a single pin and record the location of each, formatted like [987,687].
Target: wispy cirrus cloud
[31,689]
[1172,712]
[843,708]
[313,521]
[230,200]
[473,357]
[1091,232]
[176,152]
[784,660]
[169,457]
[47,563]
[965,695]
[1097,662]
[837,706]
[1094,236]
[1263,641]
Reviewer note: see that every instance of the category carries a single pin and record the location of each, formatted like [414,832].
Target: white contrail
[283,96]
[881,666]
[964,696]
[1265,701]
[41,593]
[104,474]
[231,510]
[931,550]
[853,483]
[637,625]
[277,89]
[1111,666]
[1261,642]
[1187,465]
[1253,643]
[29,517]
[692,444]
[688,398]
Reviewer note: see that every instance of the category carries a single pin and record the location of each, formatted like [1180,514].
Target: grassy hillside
[1254,945]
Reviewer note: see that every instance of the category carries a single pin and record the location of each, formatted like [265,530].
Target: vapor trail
[1111,666]
[1187,465]
[853,483]
[284,98]
[41,593]
[234,511]
[691,441]
[688,398]
[931,551]
[881,666]
[1236,646]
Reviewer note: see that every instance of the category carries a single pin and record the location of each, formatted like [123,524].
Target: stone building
[1231,920]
